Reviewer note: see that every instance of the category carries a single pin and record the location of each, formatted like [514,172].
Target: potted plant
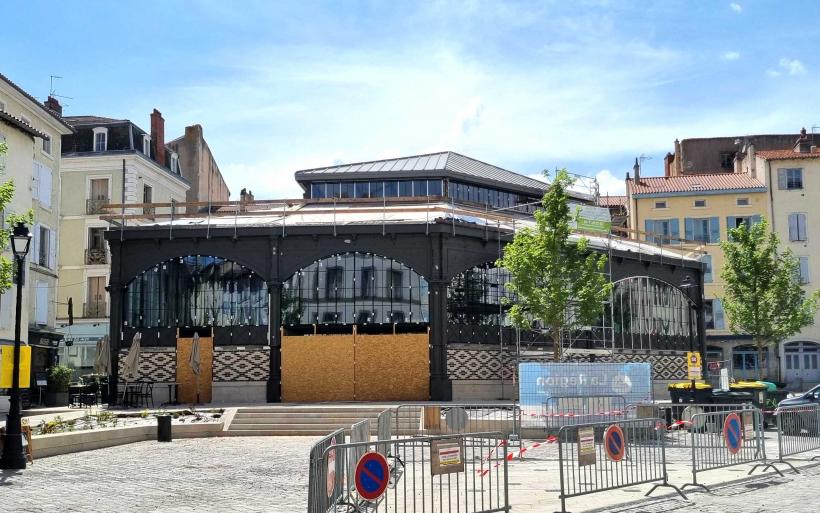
[59,377]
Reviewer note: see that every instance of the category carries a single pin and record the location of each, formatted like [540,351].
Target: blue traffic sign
[733,433]
[372,476]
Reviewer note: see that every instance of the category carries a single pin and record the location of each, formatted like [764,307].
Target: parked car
[796,423]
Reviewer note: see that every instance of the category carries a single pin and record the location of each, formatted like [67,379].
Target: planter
[56,399]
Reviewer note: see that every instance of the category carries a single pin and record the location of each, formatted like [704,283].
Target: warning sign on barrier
[372,476]
[614,443]
[446,457]
[748,425]
[331,469]
[586,446]
[733,433]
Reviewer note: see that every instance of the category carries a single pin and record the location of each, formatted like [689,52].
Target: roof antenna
[52,91]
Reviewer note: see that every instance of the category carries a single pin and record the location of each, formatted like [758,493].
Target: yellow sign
[7,366]
[693,365]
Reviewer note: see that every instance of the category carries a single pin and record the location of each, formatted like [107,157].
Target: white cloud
[792,66]
[610,184]
[731,56]
[772,73]
[736,7]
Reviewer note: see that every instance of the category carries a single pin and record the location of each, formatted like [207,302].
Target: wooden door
[188,381]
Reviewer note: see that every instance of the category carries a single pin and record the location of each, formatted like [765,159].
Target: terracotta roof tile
[611,201]
[786,155]
[694,183]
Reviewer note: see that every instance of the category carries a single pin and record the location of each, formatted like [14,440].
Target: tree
[6,194]
[558,282]
[763,296]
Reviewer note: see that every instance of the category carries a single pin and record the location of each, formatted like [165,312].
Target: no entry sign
[372,476]
[614,443]
[733,433]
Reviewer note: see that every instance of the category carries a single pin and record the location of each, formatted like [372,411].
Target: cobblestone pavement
[246,474]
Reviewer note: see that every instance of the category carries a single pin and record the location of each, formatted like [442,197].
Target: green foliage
[557,281]
[59,377]
[6,195]
[763,297]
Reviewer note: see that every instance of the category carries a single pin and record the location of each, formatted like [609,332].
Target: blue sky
[282,86]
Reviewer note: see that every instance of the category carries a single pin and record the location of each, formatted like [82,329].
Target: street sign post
[693,365]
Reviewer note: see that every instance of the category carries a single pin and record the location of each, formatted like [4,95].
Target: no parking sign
[733,433]
[614,443]
[372,476]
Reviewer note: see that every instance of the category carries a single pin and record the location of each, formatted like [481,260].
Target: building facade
[105,161]
[696,212]
[32,131]
[377,297]
[199,167]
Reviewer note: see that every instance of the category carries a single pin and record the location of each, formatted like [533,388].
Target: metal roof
[92,120]
[446,163]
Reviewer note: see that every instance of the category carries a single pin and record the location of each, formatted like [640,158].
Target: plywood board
[392,367]
[186,378]
[317,368]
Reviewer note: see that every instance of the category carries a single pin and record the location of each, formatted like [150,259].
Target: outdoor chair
[146,394]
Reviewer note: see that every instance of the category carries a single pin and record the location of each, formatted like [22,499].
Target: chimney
[668,160]
[678,159]
[53,105]
[637,169]
[158,136]
[803,144]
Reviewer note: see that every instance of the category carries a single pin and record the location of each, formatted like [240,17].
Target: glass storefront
[355,288]
[475,297]
[196,290]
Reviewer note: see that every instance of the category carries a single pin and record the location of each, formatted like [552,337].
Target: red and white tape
[513,455]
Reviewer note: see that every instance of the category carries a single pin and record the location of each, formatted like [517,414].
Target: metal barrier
[442,474]
[725,439]
[569,410]
[324,466]
[384,432]
[602,456]
[453,418]
[359,432]
[798,430]
[679,419]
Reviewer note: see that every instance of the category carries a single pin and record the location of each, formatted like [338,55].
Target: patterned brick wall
[245,365]
[485,363]
[155,366]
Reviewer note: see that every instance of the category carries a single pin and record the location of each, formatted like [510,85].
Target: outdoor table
[76,393]
[172,393]
[130,390]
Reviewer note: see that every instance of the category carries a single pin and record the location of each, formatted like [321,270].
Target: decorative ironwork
[96,256]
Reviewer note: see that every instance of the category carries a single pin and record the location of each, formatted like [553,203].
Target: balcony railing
[96,206]
[96,257]
[95,309]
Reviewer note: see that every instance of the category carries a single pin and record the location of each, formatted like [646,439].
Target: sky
[282,86]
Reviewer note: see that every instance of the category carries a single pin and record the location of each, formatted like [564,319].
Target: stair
[313,420]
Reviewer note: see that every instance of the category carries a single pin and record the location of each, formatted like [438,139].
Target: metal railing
[603,456]
[471,478]
[798,430]
[95,309]
[96,256]
[455,418]
[725,439]
[324,466]
[359,433]
[96,206]
[679,419]
[567,410]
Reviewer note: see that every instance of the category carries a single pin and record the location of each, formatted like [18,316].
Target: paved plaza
[269,474]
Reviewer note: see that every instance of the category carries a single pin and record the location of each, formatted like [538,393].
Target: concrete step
[311,420]
[300,420]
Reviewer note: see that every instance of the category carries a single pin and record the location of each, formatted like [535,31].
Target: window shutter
[52,249]
[41,307]
[689,228]
[755,219]
[45,186]
[35,180]
[649,228]
[804,269]
[731,222]
[714,229]
[707,274]
[792,227]
[34,254]
[781,179]
[674,229]
[717,313]
[801,226]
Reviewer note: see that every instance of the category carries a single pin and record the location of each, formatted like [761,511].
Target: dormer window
[175,163]
[146,145]
[100,139]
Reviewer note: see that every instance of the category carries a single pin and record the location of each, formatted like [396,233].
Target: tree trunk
[556,344]
[760,369]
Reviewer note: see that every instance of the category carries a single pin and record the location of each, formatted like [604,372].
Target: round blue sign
[372,476]
[733,433]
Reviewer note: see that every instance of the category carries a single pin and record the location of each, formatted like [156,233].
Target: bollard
[164,428]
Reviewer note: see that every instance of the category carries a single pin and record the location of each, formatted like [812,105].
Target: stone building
[199,167]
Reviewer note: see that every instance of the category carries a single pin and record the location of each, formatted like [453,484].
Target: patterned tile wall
[154,366]
[486,363]
[242,365]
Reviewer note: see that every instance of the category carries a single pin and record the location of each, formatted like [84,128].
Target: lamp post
[13,455]
[688,283]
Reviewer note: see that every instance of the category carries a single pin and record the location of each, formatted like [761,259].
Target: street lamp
[13,455]
[688,283]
